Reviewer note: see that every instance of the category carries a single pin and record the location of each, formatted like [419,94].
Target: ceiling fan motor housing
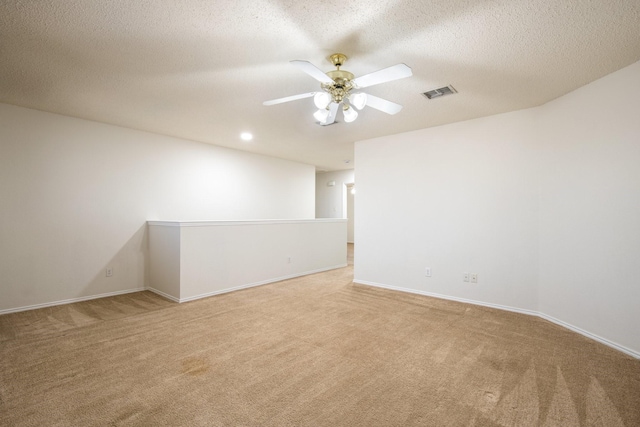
[342,79]
[339,90]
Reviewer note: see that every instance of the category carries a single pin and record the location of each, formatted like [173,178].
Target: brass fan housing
[338,59]
[341,78]
[340,75]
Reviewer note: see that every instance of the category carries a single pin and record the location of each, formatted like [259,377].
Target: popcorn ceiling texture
[200,69]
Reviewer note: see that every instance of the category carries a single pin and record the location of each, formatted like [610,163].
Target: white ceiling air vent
[436,93]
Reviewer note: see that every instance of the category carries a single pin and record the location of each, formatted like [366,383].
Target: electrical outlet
[427,271]
[109,271]
[288,260]
[466,277]
[474,278]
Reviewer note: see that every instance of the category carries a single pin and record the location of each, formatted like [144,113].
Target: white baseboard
[251,285]
[162,294]
[447,297]
[69,301]
[551,319]
[590,335]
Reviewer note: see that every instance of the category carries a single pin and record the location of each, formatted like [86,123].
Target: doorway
[350,194]
[349,211]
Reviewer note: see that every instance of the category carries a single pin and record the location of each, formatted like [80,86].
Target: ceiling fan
[340,87]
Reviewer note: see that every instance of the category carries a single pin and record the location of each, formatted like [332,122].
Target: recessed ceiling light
[246,136]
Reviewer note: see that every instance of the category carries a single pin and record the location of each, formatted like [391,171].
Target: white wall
[331,201]
[590,208]
[76,196]
[211,257]
[544,204]
[457,198]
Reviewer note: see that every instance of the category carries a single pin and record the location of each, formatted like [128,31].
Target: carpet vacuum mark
[310,351]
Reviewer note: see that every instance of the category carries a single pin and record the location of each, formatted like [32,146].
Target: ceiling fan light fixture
[336,86]
[321,115]
[349,114]
[358,100]
[321,99]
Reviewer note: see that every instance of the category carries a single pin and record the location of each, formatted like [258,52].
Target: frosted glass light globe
[349,114]
[321,99]
[321,115]
[358,100]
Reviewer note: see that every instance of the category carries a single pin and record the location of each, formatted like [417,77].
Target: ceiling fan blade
[383,105]
[395,72]
[313,71]
[333,110]
[289,98]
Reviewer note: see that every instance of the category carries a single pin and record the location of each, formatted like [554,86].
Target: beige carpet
[312,351]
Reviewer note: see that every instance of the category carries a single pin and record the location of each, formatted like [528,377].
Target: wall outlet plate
[427,271]
[474,278]
[465,277]
[109,272]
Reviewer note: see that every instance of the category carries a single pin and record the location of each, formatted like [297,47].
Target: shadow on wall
[128,267]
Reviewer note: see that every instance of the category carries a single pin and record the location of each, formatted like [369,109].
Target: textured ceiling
[200,69]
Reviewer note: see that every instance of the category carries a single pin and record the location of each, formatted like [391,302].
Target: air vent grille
[437,93]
